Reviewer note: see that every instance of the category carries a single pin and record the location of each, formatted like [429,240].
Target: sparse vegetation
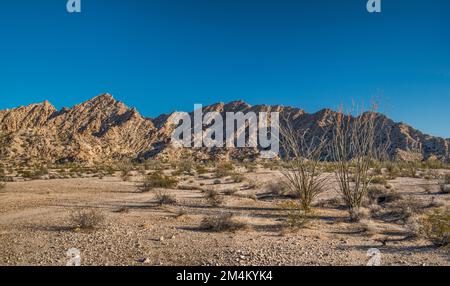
[277,187]
[355,147]
[87,219]
[125,171]
[213,197]
[297,216]
[156,180]
[224,169]
[436,227]
[164,198]
[222,223]
[237,177]
[302,172]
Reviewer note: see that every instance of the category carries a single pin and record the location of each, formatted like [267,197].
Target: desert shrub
[409,207]
[213,197]
[445,189]
[237,177]
[335,202]
[380,195]
[447,179]
[302,170]
[87,218]
[360,214]
[156,180]
[222,223]
[184,167]
[296,215]
[277,187]
[224,169]
[379,180]
[164,198]
[201,169]
[392,170]
[217,182]
[413,227]
[230,192]
[125,171]
[368,227]
[354,148]
[436,227]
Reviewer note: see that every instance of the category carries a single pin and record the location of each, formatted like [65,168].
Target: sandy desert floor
[35,227]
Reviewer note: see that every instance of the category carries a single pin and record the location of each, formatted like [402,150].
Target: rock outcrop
[104,129]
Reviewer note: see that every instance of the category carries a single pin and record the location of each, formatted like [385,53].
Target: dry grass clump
[436,227]
[296,215]
[157,180]
[237,177]
[185,167]
[277,187]
[164,198]
[368,227]
[125,171]
[222,223]
[332,203]
[87,219]
[213,197]
[379,180]
[224,169]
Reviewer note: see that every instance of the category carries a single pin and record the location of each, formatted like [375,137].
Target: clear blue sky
[165,55]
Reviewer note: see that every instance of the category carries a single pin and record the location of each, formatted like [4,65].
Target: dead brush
[222,223]
[367,227]
[213,197]
[164,198]
[277,188]
[87,219]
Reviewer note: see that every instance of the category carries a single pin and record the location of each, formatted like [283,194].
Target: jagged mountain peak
[104,129]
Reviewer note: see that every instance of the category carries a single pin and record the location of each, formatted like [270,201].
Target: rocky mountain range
[104,129]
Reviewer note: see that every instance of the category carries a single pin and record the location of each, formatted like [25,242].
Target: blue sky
[166,55]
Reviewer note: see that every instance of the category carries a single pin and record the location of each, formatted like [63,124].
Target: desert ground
[37,228]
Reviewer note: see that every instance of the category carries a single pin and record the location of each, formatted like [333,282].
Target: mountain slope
[103,129]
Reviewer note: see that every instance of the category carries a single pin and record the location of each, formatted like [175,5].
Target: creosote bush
[157,180]
[222,223]
[436,227]
[87,219]
[164,198]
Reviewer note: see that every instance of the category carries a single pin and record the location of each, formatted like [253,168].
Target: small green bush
[436,227]
[157,180]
